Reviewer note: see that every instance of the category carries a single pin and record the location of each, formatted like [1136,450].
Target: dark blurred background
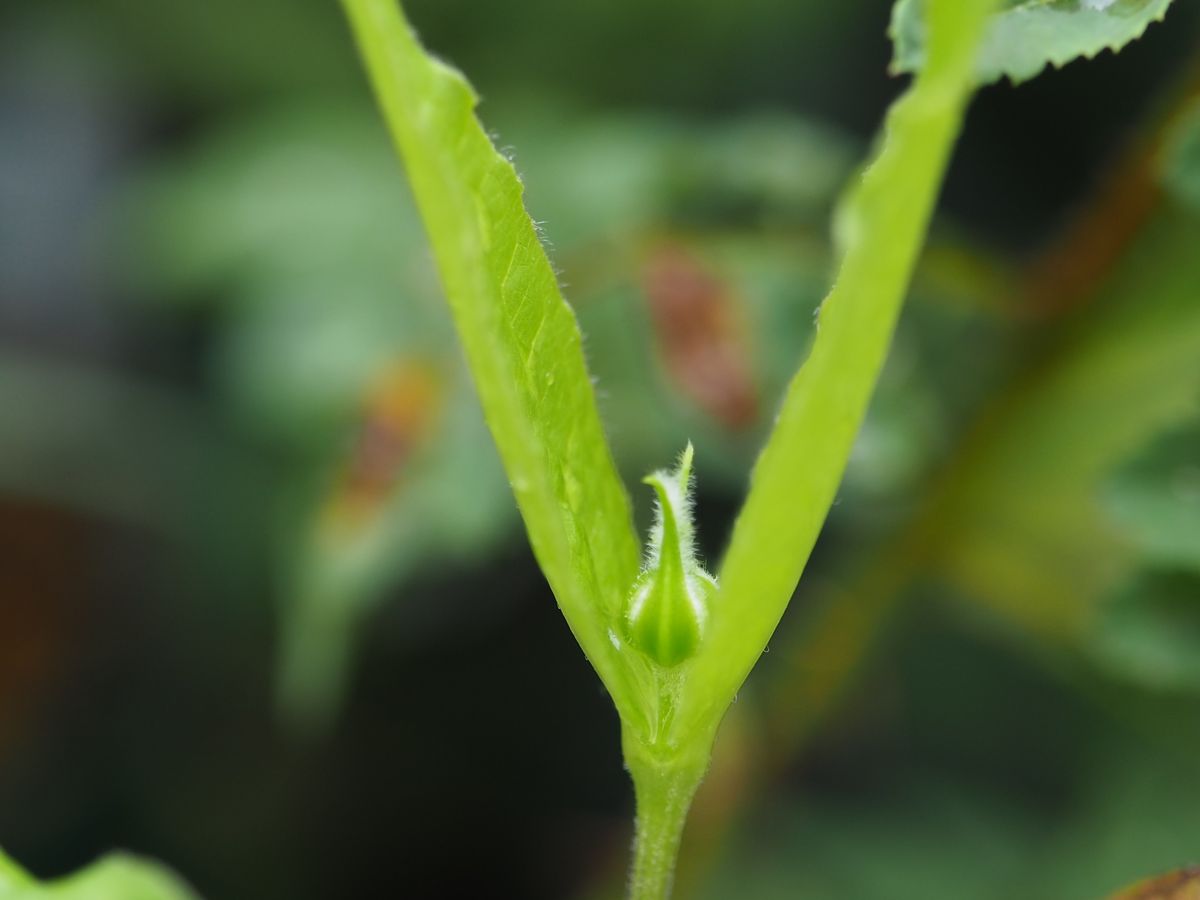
[267,612]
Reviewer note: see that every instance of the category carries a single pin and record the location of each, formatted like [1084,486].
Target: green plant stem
[664,789]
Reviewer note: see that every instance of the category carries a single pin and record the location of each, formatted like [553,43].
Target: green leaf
[116,877]
[12,877]
[1024,36]
[881,226]
[521,339]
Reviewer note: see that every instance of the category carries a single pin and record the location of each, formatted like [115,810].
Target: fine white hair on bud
[667,607]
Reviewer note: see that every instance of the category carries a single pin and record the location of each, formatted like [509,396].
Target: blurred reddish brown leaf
[700,336]
[399,412]
[1182,884]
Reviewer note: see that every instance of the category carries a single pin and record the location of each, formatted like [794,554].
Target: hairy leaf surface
[521,339]
[881,227]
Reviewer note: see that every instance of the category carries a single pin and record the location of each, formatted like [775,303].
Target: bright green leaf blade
[116,877]
[1025,36]
[882,226]
[521,339]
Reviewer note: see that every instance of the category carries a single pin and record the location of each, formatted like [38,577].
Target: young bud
[669,601]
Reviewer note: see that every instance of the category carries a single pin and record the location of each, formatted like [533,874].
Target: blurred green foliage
[1181,170]
[929,837]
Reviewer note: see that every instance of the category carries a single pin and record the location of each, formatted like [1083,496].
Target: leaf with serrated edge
[1027,35]
[521,340]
